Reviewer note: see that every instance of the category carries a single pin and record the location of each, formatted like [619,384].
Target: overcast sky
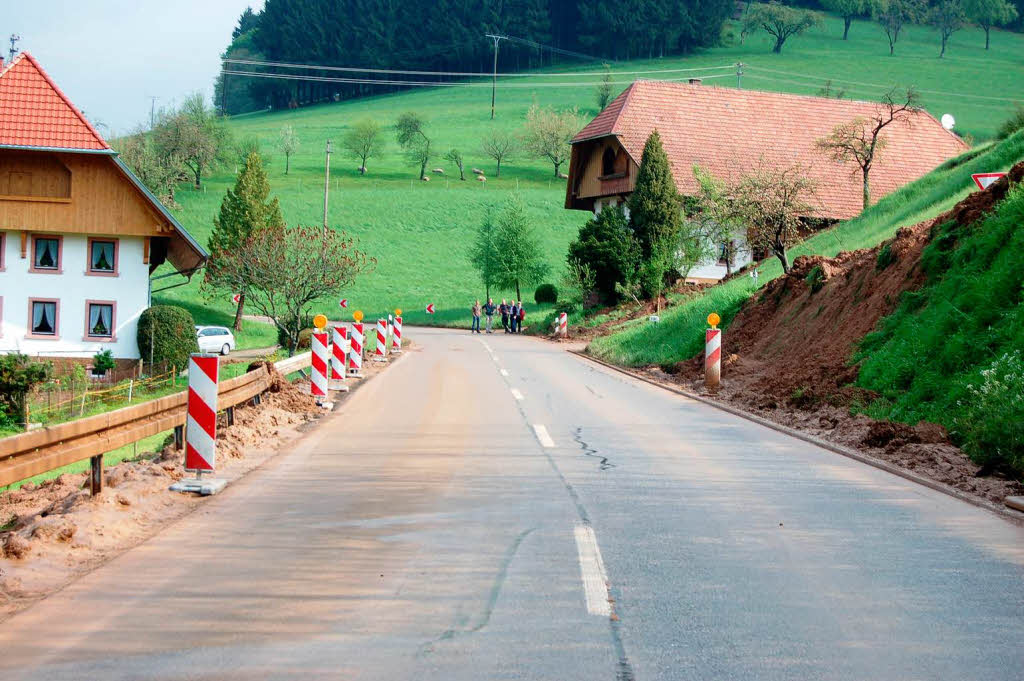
[110,56]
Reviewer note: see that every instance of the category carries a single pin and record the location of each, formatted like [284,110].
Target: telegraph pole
[152,111]
[494,78]
[327,184]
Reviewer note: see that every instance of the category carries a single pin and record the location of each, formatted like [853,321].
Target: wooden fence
[42,450]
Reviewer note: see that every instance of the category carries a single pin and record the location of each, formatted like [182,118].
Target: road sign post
[201,425]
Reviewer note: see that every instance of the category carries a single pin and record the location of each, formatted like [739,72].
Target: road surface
[494,508]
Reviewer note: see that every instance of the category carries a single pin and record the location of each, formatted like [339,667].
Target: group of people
[512,315]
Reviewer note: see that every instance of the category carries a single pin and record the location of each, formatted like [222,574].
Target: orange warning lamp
[714,320]
[357,315]
[398,312]
[320,322]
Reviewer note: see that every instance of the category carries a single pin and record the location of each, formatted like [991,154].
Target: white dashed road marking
[516,394]
[595,579]
[504,372]
[542,436]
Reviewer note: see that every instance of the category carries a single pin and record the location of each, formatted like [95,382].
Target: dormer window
[608,162]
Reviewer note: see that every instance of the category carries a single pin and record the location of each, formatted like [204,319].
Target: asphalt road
[494,508]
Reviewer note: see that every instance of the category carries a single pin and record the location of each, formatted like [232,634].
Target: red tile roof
[35,113]
[728,131]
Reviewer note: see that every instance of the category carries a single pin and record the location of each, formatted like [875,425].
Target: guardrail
[44,449]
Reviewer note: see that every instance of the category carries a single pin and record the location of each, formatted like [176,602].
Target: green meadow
[420,232]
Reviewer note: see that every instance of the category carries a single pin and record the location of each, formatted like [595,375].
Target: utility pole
[494,79]
[739,75]
[152,111]
[327,184]
[14,39]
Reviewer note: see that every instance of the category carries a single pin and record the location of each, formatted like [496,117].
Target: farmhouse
[728,131]
[80,235]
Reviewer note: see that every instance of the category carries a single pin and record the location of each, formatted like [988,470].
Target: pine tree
[244,210]
[654,207]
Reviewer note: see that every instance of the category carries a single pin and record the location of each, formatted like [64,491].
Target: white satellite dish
[948,121]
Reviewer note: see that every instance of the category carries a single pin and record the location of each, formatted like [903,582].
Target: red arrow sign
[237,298]
[343,302]
[430,309]
[983,180]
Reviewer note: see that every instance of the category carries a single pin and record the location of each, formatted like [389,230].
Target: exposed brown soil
[787,355]
[56,530]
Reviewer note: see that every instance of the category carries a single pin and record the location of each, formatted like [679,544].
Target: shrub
[305,323]
[1012,124]
[102,362]
[815,278]
[18,375]
[992,423]
[545,293]
[885,257]
[167,334]
[607,248]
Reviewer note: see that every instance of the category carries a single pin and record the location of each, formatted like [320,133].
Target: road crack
[603,463]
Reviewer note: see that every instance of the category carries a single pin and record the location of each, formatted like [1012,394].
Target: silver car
[215,339]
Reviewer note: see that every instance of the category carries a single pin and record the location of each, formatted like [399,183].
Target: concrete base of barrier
[1016,503]
[337,386]
[206,487]
[357,374]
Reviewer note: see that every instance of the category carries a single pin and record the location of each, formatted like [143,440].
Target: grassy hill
[420,232]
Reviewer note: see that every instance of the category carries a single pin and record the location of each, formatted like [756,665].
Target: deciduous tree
[499,145]
[288,268]
[603,91]
[484,254]
[288,143]
[194,135]
[989,13]
[548,133]
[859,139]
[773,202]
[160,172]
[948,17]
[716,216]
[18,375]
[364,140]
[411,135]
[455,156]
[784,22]
[520,258]
[848,10]
[893,15]
[244,210]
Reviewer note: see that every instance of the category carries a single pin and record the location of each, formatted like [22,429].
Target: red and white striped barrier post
[201,422]
[563,325]
[318,378]
[396,335]
[339,351]
[713,353]
[382,341]
[355,355]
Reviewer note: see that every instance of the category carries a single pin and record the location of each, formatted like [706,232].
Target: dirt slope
[787,354]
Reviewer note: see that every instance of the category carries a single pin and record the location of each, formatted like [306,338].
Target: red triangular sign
[983,180]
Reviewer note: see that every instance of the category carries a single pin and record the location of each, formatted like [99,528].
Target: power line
[427,83]
[885,87]
[466,74]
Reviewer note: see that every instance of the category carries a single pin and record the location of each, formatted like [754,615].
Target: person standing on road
[520,318]
[503,310]
[489,311]
[476,317]
[514,316]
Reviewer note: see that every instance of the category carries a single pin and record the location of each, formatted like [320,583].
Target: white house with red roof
[728,132]
[80,235]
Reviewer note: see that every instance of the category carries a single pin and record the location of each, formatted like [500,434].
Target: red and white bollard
[396,335]
[379,353]
[355,355]
[339,351]
[318,379]
[201,422]
[713,353]
[563,325]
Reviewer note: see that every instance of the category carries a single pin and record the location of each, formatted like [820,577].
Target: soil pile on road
[54,530]
[787,354]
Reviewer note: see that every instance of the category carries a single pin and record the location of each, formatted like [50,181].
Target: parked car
[217,339]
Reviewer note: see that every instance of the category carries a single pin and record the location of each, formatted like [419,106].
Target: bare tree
[500,146]
[283,270]
[455,156]
[783,22]
[548,133]
[363,141]
[773,203]
[194,135]
[948,17]
[288,143]
[411,135]
[892,15]
[860,139]
[160,172]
